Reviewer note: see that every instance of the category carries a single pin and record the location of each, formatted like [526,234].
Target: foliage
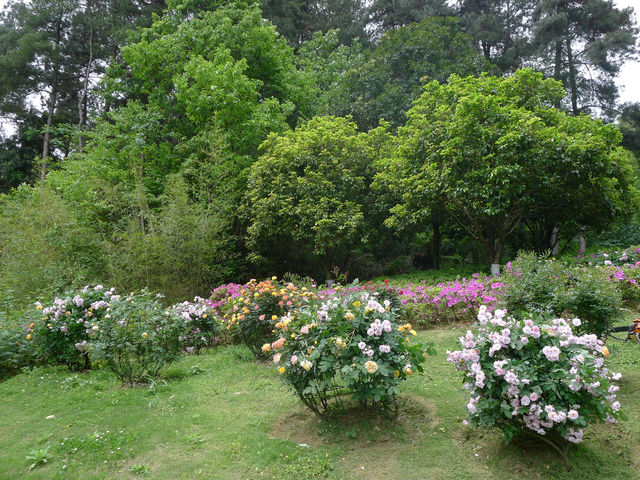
[403,61]
[309,195]
[66,326]
[261,308]
[346,345]
[484,151]
[45,247]
[16,351]
[38,457]
[536,285]
[138,339]
[536,378]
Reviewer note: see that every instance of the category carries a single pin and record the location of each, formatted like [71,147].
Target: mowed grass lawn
[236,420]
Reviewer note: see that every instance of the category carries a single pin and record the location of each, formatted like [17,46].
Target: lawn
[223,415]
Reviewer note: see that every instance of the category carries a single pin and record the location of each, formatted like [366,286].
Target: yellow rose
[371,366]
[407,369]
[29,337]
[605,351]
[39,307]
[413,332]
[144,335]
[266,347]
[396,373]
[356,304]
[281,370]
[340,343]
[274,317]
[349,316]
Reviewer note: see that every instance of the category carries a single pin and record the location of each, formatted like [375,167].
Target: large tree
[309,200]
[493,153]
[404,58]
[500,29]
[583,43]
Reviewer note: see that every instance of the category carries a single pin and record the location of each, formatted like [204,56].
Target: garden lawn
[223,415]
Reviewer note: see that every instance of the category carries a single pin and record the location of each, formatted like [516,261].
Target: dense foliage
[536,285]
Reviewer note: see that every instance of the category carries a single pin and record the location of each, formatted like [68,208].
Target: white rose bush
[535,379]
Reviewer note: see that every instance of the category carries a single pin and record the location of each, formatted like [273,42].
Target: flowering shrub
[202,326]
[620,258]
[447,302]
[536,378]
[62,334]
[260,309]
[536,285]
[138,338]
[221,304]
[346,345]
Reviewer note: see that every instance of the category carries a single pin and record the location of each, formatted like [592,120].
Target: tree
[309,201]
[494,153]
[298,20]
[629,125]
[49,52]
[500,29]
[390,14]
[583,43]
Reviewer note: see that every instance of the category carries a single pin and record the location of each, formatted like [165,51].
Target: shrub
[259,310]
[346,346]
[543,286]
[535,378]
[138,338]
[62,334]
[15,350]
[202,327]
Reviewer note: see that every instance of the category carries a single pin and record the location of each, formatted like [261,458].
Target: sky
[629,78]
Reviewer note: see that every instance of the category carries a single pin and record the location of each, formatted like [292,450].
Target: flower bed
[535,378]
[447,302]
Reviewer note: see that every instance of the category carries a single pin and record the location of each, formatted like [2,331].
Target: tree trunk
[82,101]
[553,242]
[572,80]
[582,241]
[557,67]
[53,96]
[435,245]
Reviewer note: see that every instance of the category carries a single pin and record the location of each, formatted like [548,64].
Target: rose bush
[202,327]
[62,334]
[536,378]
[260,308]
[138,338]
[346,346]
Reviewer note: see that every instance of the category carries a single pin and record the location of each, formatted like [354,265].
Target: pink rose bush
[535,378]
[346,347]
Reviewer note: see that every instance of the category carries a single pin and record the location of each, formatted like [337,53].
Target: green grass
[231,418]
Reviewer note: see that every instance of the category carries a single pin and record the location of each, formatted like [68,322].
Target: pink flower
[294,359]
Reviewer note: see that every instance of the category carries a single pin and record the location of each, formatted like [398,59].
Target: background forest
[183,145]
